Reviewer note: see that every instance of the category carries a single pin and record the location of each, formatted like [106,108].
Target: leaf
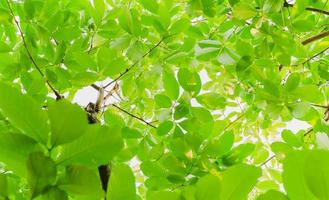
[272,195]
[162,101]
[220,146]
[243,11]
[292,82]
[131,133]
[208,187]
[190,81]
[211,100]
[208,7]
[150,5]
[4,47]
[310,93]
[170,85]
[238,181]
[162,195]
[97,146]
[316,173]
[291,138]
[3,185]
[122,183]
[41,173]
[164,128]
[67,33]
[14,151]
[293,177]
[81,181]
[129,21]
[32,122]
[67,121]
[54,194]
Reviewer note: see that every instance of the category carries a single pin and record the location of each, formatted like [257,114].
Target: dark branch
[316,37]
[136,62]
[318,10]
[134,116]
[58,96]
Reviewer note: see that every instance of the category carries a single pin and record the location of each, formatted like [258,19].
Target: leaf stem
[137,61]
[134,116]
[318,10]
[58,96]
[316,37]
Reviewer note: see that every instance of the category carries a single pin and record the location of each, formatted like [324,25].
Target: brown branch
[137,61]
[58,96]
[318,10]
[319,106]
[316,55]
[134,116]
[316,37]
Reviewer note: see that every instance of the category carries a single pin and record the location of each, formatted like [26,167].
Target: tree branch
[134,116]
[272,157]
[137,61]
[58,96]
[316,37]
[318,10]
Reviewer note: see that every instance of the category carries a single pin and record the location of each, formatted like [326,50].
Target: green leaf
[189,80]
[3,185]
[208,187]
[67,33]
[243,11]
[272,195]
[41,173]
[164,128]
[122,183]
[238,181]
[221,146]
[131,133]
[67,121]
[54,194]
[292,82]
[316,173]
[162,195]
[211,100]
[170,85]
[4,47]
[294,179]
[162,101]
[208,7]
[129,21]
[310,93]
[24,113]
[93,147]
[150,5]
[14,151]
[290,138]
[81,181]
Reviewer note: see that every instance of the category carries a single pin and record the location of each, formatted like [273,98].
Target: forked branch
[58,96]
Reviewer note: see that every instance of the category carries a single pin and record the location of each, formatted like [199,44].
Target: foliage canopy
[197,99]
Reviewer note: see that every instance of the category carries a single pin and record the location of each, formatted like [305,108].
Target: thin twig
[318,10]
[58,96]
[320,106]
[268,160]
[272,157]
[232,122]
[316,37]
[137,61]
[316,55]
[134,116]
